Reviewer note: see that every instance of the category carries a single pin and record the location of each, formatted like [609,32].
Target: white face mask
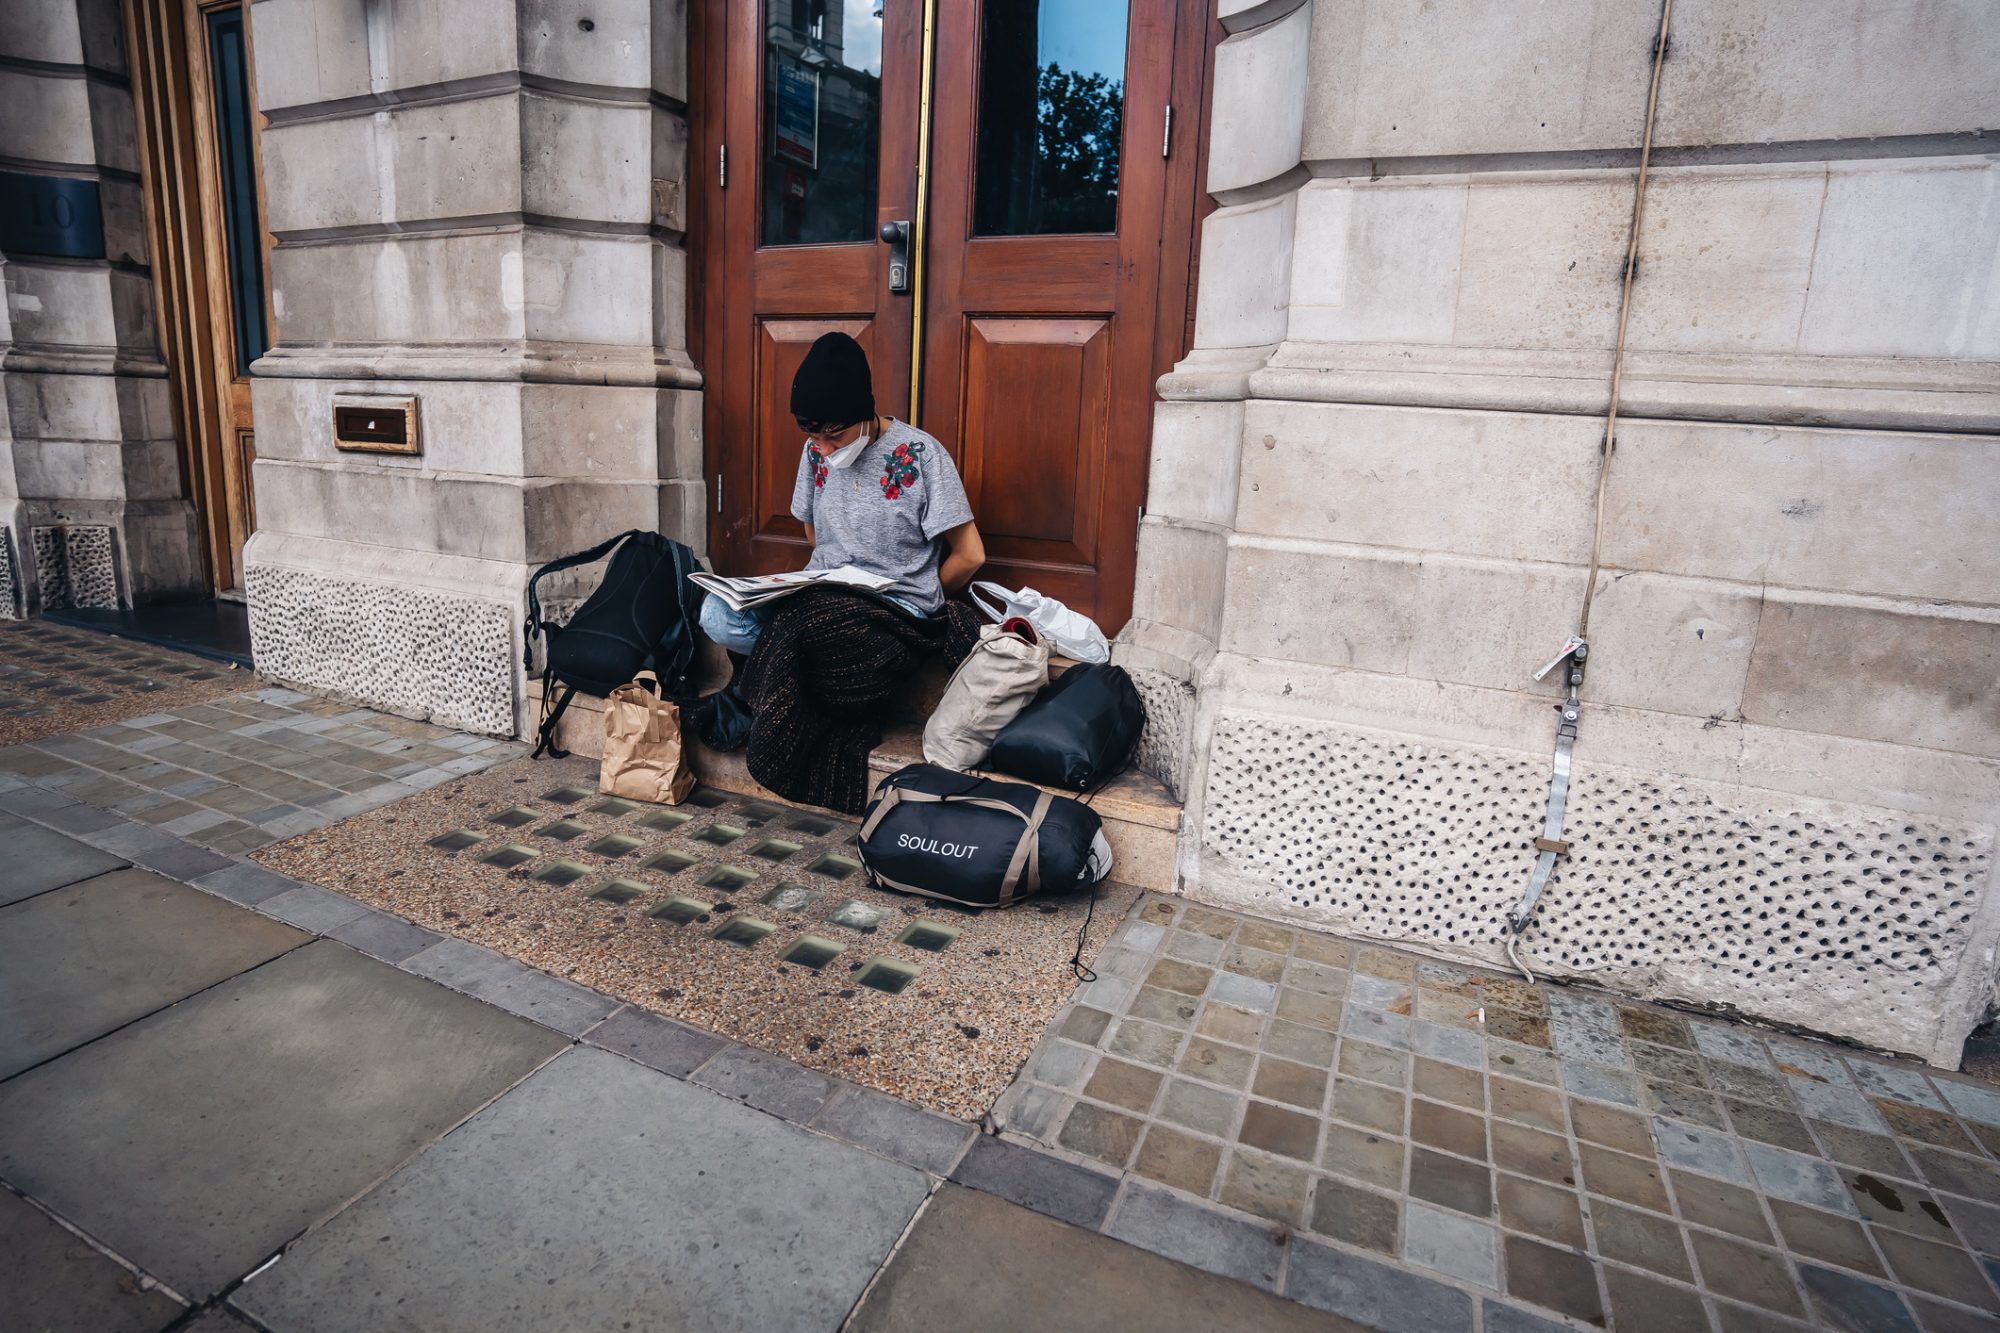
[846,454]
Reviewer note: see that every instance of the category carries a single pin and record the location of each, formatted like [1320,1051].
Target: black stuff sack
[1078,734]
[977,842]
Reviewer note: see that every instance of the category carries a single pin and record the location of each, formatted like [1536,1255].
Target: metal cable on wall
[1551,846]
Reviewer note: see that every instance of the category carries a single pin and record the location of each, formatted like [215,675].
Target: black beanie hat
[833,384]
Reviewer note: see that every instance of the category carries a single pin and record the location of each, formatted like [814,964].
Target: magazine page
[744,592]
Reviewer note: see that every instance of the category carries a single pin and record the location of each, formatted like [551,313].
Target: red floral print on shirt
[819,464]
[901,469]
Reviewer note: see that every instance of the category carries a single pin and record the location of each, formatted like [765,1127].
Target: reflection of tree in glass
[1079,116]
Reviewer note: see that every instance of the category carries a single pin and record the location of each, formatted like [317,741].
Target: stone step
[1141,821]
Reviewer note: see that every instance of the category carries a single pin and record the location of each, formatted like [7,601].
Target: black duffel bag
[1079,733]
[978,842]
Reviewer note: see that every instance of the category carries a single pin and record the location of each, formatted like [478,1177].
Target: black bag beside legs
[1079,733]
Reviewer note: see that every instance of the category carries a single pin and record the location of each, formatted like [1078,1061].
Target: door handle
[896,235]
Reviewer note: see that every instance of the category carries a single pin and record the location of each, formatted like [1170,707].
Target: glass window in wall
[1051,101]
[236,157]
[822,120]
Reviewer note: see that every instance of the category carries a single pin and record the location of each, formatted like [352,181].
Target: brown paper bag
[643,756]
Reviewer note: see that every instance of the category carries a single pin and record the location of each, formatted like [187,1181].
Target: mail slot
[375,425]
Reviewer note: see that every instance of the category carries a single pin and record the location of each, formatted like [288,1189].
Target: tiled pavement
[245,770]
[1380,1135]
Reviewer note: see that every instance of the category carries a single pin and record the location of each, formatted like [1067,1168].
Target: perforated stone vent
[409,650]
[92,569]
[50,564]
[10,586]
[1163,746]
[1841,918]
[76,566]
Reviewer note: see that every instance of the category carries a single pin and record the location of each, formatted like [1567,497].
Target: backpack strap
[545,736]
[535,622]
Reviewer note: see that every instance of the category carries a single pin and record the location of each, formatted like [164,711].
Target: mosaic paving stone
[929,936]
[671,862]
[745,931]
[859,916]
[513,854]
[681,911]
[814,951]
[618,891]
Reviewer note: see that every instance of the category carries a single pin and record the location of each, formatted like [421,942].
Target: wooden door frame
[179,185]
[1196,32]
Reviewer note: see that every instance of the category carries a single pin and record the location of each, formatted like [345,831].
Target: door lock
[896,235]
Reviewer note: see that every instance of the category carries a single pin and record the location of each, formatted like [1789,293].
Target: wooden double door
[992,197]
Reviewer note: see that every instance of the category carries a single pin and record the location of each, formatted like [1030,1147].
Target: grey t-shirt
[886,511]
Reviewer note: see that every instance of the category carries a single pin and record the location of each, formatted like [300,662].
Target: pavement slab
[976,1261]
[40,859]
[54,1282]
[602,1194]
[80,961]
[198,1140]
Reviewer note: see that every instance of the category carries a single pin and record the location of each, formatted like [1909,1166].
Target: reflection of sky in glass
[861,35]
[1083,36]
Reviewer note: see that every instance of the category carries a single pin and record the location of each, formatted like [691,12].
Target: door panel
[1037,397]
[820,127]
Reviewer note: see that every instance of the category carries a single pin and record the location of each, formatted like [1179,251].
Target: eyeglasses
[822,429]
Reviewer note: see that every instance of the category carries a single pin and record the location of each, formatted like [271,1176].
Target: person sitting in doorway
[872,491]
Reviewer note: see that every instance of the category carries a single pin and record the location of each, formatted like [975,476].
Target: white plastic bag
[999,678]
[1070,633]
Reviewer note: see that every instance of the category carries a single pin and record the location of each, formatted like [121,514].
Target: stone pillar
[1374,484]
[91,504]
[479,204]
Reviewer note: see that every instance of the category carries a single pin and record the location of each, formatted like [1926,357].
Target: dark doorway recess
[217,630]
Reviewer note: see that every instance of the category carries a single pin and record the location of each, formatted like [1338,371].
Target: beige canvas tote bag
[997,680]
[644,759]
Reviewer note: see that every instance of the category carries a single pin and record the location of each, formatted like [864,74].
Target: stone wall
[91,503]
[1373,484]
[480,203]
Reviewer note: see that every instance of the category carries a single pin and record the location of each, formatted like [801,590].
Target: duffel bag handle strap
[890,800]
[1027,854]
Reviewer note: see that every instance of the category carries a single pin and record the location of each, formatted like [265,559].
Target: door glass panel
[235,156]
[1051,98]
[822,120]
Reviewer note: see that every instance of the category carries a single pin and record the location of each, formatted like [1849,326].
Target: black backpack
[1078,734]
[643,613]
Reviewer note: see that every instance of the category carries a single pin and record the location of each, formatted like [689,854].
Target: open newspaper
[741,594]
